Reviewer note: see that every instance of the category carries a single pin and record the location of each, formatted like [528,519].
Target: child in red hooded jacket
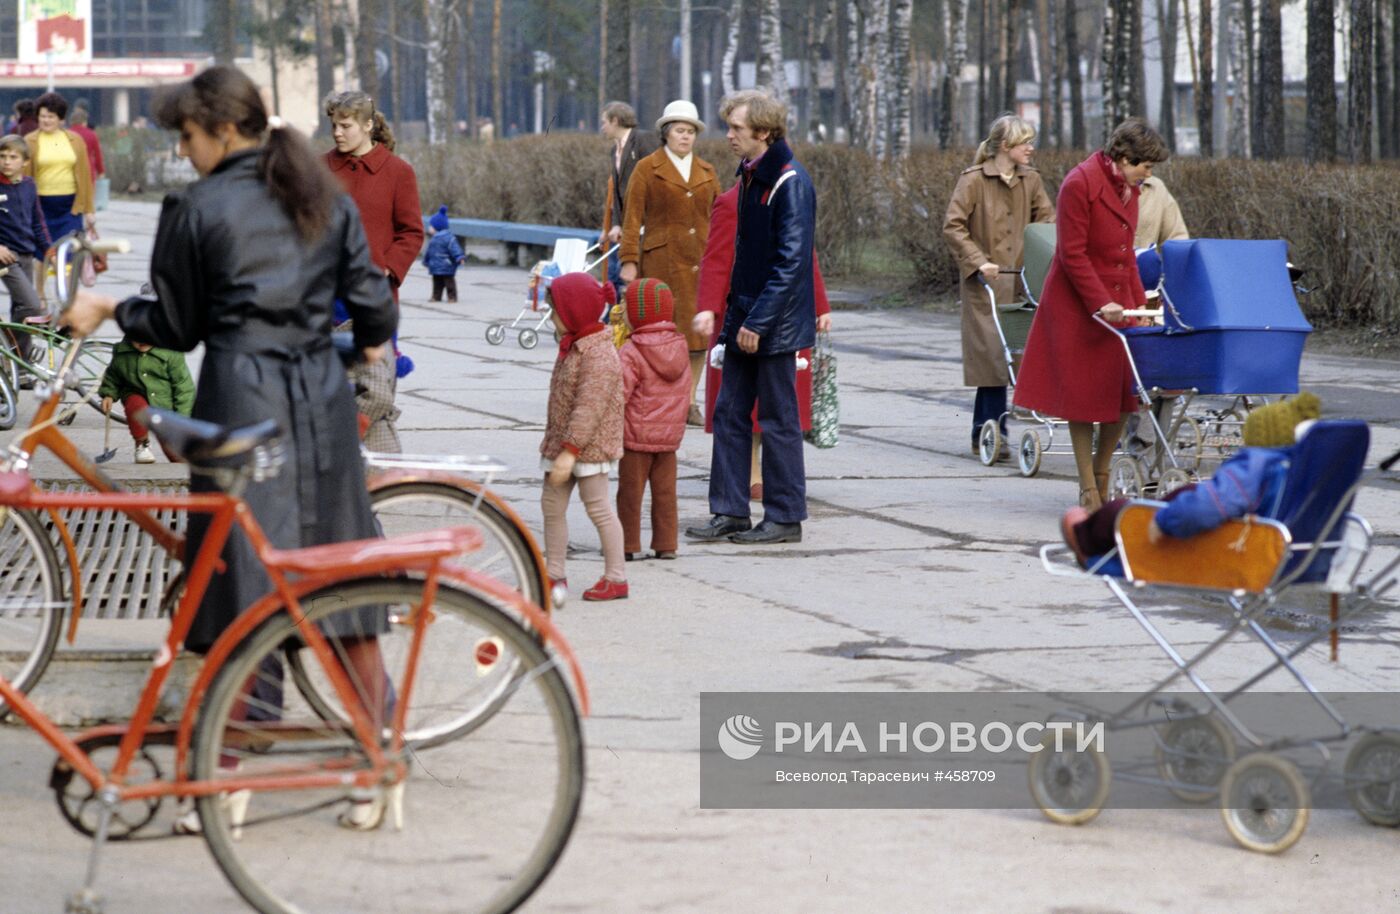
[656,390]
[583,434]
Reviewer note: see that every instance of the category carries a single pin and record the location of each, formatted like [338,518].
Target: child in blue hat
[443,257]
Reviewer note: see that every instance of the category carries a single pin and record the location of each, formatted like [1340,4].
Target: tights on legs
[554,502]
[1093,465]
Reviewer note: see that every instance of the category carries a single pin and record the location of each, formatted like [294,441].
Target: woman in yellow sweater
[58,160]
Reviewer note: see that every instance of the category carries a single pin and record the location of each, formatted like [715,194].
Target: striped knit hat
[648,301]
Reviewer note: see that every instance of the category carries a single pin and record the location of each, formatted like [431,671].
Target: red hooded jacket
[656,388]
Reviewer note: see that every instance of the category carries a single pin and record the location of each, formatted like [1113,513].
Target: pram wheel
[1124,478]
[495,334]
[989,443]
[1069,786]
[1172,479]
[1265,803]
[528,338]
[1373,778]
[1028,454]
[1187,443]
[1194,751]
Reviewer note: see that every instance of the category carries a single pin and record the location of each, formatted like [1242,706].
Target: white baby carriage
[570,256]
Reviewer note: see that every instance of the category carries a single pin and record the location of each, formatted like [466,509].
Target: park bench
[518,239]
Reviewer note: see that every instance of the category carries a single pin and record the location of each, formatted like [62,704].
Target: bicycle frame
[343,562]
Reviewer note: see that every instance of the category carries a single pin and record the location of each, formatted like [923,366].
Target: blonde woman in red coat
[385,190]
[1074,368]
[712,294]
[656,389]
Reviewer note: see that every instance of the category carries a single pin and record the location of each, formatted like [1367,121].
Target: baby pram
[1231,333]
[1251,565]
[570,256]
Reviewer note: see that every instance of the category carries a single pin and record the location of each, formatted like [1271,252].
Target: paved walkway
[918,573]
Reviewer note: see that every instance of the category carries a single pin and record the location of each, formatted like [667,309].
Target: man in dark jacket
[628,144]
[771,314]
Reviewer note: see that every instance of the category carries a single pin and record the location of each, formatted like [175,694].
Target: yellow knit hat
[1272,425]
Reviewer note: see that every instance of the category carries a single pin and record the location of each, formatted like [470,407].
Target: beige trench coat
[986,222]
[676,215]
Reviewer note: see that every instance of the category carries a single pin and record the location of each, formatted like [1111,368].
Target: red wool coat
[1074,368]
[655,387]
[385,190]
[716,267]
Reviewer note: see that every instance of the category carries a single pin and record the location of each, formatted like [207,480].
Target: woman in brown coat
[666,223]
[992,204]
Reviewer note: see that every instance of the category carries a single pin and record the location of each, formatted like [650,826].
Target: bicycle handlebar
[69,254]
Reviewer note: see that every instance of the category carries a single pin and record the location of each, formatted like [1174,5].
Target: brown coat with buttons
[676,216]
[986,223]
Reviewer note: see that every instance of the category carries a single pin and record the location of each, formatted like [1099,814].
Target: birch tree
[1322,88]
[438,16]
[731,48]
[1237,141]
[1117,64]
[900,74]
[771,71]
[1168,17]
[955,21]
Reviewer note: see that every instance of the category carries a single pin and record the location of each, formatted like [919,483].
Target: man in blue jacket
[771,313]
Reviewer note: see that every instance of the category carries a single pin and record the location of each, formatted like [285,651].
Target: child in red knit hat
[583,434]
[656,390]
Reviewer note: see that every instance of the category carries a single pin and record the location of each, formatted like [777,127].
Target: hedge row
[1342,222]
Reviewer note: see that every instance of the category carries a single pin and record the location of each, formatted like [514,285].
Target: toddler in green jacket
[140,375]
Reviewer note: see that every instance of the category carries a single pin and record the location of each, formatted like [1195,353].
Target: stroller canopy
[1228,284]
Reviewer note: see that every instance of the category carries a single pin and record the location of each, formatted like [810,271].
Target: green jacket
[159,375]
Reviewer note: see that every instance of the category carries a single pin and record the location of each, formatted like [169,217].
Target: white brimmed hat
[683,111]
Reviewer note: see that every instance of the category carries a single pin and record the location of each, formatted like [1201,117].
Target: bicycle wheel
[9,354]
[9,402]
[32,602]
[508,552]
[485,818]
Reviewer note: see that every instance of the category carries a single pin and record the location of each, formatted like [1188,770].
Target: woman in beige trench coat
[666,223]
[992,204]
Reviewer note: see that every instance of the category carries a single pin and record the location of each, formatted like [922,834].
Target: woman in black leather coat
[248,261]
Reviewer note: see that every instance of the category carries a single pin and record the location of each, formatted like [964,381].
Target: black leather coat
[770,290]
[230,271]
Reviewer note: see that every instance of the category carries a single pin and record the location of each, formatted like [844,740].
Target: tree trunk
[995,36]
[1119,64]
[618,68]
[950,125]
[325,51]
[1078,137]
[1395,77]
[225,28]
[728,79]
[1006,55]
[437,15]
[498,105]
[1238,139]
[365,44]
[469,65]
[1167,24]
[1359,77]
[1205,94]
[1137,81]
[1270,80]
[901,115]
[1047,77]
[771,71]
[1385,102]
[1322,87]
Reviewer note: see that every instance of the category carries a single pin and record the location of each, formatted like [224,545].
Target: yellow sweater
[82,188]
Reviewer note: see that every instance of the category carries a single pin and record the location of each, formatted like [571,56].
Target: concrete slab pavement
[917,573]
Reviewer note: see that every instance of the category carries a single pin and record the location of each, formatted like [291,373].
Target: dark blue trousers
[770,380]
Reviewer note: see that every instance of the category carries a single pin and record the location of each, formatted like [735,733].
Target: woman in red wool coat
[1074,367]
[385,190]
[715,269]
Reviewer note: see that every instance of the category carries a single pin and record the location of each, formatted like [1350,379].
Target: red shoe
[1069,524]
[606,590]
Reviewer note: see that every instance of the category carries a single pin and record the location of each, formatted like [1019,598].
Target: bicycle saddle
[197,441]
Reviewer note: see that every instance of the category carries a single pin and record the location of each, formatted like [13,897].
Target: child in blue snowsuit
[1250,482]
[443,257]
